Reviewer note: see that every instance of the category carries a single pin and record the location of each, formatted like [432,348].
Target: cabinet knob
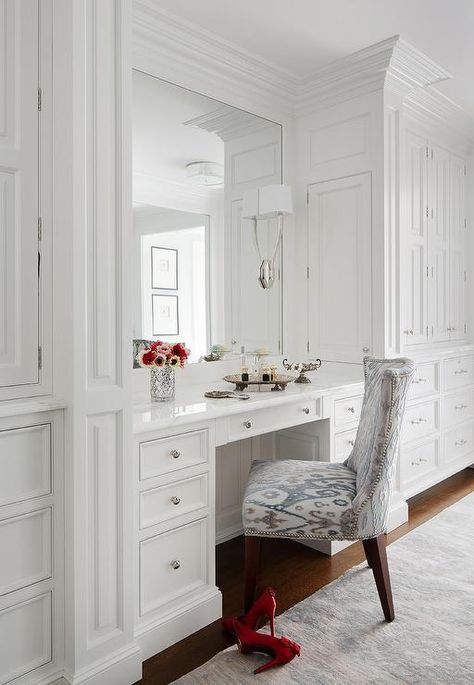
[351,443]
[175,453]
[351,409]
[175,565]
[248,424]
[366,349]
[176,500]
[306,410]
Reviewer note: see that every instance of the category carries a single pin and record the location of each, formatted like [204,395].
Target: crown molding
[392,63]
[176,46]
[162,192]
[432,107]
[229,123]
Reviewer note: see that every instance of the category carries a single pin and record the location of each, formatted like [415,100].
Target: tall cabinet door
[18,192]
[457,317]
[415,273]
[438,240]
[340,264]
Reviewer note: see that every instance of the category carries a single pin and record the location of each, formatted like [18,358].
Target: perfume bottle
[244,374]
[265,374]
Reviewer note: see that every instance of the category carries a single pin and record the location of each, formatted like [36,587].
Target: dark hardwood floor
[294,571]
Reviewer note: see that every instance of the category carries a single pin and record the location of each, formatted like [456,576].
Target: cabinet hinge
[40,99]
[307,197]
[427,272]
[427,212]
[465,223]
[307,272]
[427,152]
[465,328]
[465,170]
[427,334]
[307,346]
[465,275]
[40,358]
[40,228]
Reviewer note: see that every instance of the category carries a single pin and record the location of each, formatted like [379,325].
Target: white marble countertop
[30,405]
[191,406]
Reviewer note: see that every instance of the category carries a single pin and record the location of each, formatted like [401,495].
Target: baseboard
[163,632]
[398,514]
[122,667]
[229,533]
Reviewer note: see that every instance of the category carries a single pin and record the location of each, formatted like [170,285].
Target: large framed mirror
[195,262]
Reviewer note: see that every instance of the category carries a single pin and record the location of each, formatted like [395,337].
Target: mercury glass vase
[162,384]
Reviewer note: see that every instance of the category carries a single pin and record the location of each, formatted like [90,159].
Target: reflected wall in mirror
[195,259]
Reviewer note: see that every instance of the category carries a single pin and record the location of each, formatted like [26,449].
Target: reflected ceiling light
[265,203]
[210,174]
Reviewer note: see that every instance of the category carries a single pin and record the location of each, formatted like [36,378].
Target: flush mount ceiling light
[210,174]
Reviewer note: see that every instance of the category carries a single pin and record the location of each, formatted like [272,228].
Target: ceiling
[302,35]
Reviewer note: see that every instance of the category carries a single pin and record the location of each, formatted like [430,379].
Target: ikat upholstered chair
[316,500]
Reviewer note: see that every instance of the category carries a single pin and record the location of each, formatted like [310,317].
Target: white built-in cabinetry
[433,231]
[31,548]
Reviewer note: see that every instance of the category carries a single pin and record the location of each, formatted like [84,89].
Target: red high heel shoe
[264,607]
[280,648]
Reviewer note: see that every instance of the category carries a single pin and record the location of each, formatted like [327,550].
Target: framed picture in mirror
[165,319]
[164,268]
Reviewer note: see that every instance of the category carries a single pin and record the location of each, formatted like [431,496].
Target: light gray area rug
[344,639]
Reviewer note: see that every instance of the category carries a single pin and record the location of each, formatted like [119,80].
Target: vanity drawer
[168,501]
[458,442]
[425,380]
[347,411]
[458,407]
[174,452]
[343,444]
[173,564]
[270,419]
[417,462]
[458,372]
[420,419]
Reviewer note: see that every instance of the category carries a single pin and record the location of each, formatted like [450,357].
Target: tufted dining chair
[317,500]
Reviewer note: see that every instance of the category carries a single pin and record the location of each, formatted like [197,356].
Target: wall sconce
[266,203]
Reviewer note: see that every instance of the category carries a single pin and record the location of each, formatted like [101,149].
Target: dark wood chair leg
[376,553]
[252,558]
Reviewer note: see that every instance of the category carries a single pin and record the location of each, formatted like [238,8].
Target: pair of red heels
[280,648]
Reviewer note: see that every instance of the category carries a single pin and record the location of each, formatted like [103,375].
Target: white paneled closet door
[457,285]
[340,298]
[19,201]
[438,239]
[415,219]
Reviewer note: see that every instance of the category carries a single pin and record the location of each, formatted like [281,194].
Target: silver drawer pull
[248,424]
[409,331]
[419,462]
[351,442]
[306,410]
[459,407]
[420,380]
[459,371]
[175,565]
[175,453]
[351,409]
[460,443]
[176,500]
[415,422]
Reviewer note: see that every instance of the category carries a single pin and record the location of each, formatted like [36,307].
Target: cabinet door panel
[18,192]
[415,295]
[438,236]
[457,285]
[340,260]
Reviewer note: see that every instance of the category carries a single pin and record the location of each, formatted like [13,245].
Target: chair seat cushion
[302,499]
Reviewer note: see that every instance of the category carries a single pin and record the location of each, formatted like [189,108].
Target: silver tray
[278,383]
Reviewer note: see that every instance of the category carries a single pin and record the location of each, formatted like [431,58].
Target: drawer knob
[351,409]
[419,380]
[248,424]
[176,500]
[366,349]
[460,443]
[175,565]
[351,442]
[306,410]
[459,407]
[175,453]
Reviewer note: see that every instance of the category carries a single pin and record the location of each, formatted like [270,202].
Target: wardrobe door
[340,268]
[415,253]
[438,243]
[457,303]
[19,263]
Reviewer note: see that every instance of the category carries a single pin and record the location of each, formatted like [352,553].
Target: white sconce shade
[275,200]
[267,202]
